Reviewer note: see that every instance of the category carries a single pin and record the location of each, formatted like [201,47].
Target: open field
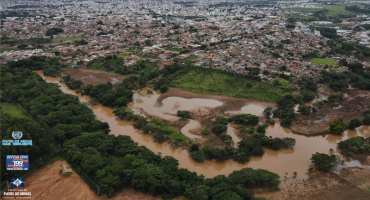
[323,61]
[13,109]
[283,82]
[67,39]
[126,53]
[219,83]
[93,77]
[7,49]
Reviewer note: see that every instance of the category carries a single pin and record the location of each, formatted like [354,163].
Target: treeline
[117,162]
[49,66]
[340,46]
[246,148]
[6,40]
[357,9]
[58,116]
[285,111]
[339,81]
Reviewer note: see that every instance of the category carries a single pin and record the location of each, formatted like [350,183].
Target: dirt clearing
[48,183]
[93,77]
[323,186]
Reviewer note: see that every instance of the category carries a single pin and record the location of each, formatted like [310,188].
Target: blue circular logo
[17,135]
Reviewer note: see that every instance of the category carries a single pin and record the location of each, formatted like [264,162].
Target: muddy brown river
[283,161]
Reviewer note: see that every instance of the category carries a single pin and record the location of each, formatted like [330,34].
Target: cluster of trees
[81,42]
[306,110]
[183,114]
[339,126]
[49,66]
[357,9]
[339,81]
[323,161]
[335,97]
[246,148]
[54,31]
[328,32]
[341,46]
[355,145]
[107,95]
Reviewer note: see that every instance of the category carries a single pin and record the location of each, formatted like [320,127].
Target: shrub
[194,146]
[218,129]
[321,102]
[354,124]
[338,126]
[164,88]
[197,155]
[183,114]
[205,131]
[323,161]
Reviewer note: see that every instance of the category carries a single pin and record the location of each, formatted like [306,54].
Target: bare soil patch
[93,77]
[347,109]
[48,183]
[320,185]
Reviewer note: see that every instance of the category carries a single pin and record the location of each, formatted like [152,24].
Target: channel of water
[283,161]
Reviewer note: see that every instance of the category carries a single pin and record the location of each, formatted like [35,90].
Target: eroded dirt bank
[324,186]
[350,107]
[48,183]
[93,77]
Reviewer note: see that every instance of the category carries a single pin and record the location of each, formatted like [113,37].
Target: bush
[321,102]
[197,155]
[218,129]
[205,131]
[323,161]
[338,126]
[335,97]
[183,114]
[354,124]
[194,146]
[164,88]
[355,145]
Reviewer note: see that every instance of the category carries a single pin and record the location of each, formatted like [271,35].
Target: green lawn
[283,82]
[173,49]
[302,10]
[67,39]
[8,49]
[14,110]
[207,81]
[126,53]
[338,9]
[323,61]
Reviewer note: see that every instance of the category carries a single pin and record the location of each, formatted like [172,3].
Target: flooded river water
[283,161]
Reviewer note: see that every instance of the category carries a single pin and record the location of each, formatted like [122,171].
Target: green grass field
[333,10]
[126,53]
[283,82]
[7,49]
[14,110]
[67,39]
[216,82]
[322,61]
